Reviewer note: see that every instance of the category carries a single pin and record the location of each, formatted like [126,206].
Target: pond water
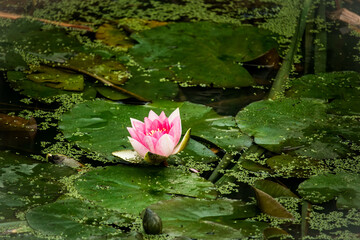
[269,90]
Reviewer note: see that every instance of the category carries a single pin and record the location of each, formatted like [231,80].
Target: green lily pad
[131,189]
[274,189]
[299,125]
[111,70]
[294,166]
[341,88]
[151,84]
[100,126]
[76,219]
[33,40]
[208,219]
[25,183]
[324,187]
[334,85]
[111,93]
[203,52]
[115,37]
[55,78]
[20,82]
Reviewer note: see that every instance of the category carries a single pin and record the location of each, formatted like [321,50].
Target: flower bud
[152,223]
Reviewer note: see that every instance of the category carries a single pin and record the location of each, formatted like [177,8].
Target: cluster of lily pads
[302,135]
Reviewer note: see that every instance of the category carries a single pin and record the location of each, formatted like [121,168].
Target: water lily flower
[157,135]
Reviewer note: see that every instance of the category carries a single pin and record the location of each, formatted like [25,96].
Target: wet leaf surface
[293,166]
[203,52]
[208,219]
[32,39]
[58,79]
[274,189]
[111,70]
[324,187]
[29,88]
[130,189]
[25,183]
[74,219]
[300,125]
[341,89]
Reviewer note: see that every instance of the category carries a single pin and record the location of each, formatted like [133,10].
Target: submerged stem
[103,80]
[254,149]
[224,162]
[321,44]
[278,87]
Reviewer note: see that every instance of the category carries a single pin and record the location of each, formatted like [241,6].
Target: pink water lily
[157,134]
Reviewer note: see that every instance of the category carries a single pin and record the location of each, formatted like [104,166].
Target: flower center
[155,131]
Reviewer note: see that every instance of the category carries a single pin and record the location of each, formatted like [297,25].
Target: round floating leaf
[207,219]
[111,94]
[299,125]
[131,189]
[100,126]
[324,187]
[334,85]
[34,42]
[20,82]
[112,36]
[151,84]
[25,183]
[294,166]
[76,219]
[203,52]
[341,88]
[55,78]
[274,189]
[111,70]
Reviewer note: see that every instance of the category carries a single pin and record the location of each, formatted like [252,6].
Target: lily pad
[55,78]
[20,82]
[294,166]
[341,89]
[203,52]
[100,126]
[151,84]
[111,70]
[324,187]
[111,94]
[115,37]
[75,219]
[33,40]
[274,189]
[25,182]
[208,219]
[300,125]
[131,189]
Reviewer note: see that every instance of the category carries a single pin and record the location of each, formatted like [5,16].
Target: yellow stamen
[154,131]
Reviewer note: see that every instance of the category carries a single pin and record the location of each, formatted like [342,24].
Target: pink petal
[138,147]
[157,135]
[137,125]
[150,143]
[162,116]
[147,123]
[156,125]
[175,130]
[173,115]
[165,125]
[153,115]
[133,133]
[165,145]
